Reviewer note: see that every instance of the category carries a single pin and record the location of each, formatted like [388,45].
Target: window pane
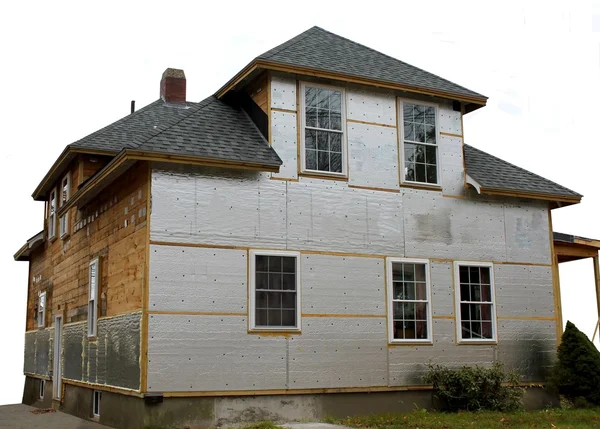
[398,311]
[430,115]
[288,300]
[288,318]
[322,140]
[335,142]
[311,159]
[409,329]
[408,112]
[335,101]
[261,299]
[274,318]
[486,330]
[289,264]
[464,312]
[475,311]
[311,96]
[409,131]
[421,291]
[430,134]
[474,275]
[275,265]
[397,272]
[323,98]
[421,311]
[261,317]
[310,139]
[323,117]
[398,330]
[311,117]
[335,121]
[463,274]
[465,292]
[262,263]
[409,171]
[419,112]
[420,272]
[398,290]
[431,174]
[323,161]
[420,172]
[273,300]
[466,329]
[485,275]
[430,155]
[475,293]
[409,271]
[421,329]
[420,153]
[486,311]
[289,281]
[262,281]
[409,310]
[275,281]
[409,290]
[476,329]
[486,293]
[336,162]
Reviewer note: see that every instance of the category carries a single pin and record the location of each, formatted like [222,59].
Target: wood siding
[112,228]
[258,90]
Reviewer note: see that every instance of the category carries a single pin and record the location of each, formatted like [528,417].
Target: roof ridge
[117,122]
[146,137]
[522,169]
[289,43]
[393,58]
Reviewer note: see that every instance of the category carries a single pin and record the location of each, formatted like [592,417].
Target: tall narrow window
[93,298]
[274,290]
[96,403]
[52,214]
[41,315]
[419,137]
[476,315]
[323,129]
[65,194]
[42,388]
[409,306]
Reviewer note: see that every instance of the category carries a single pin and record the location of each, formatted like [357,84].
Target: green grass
[421,419]
[261,425]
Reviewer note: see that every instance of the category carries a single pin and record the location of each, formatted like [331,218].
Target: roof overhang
[45,186]
[572,248]
[33,243]
[258,65]
[557,200]
[127,158]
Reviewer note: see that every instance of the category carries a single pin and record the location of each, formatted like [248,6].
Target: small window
[41,315]
[409,307]
[420,140]
[93,298]
[323,122]
[475,308]
[96,404]
[274,290]
[42,388]
[52,215]
[65,194]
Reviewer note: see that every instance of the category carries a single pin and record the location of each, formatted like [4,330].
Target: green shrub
[576,374]
[475,388]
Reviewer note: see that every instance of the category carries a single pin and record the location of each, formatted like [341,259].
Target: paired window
[96,403]
[52,214]
[323,129]
[65,194]
[93,297]
[274,290]
[419,138]
[409,307]
[41,314]
[475,312]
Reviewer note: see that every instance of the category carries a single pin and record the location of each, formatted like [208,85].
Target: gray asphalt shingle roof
[494,173]
[209,129]
[319,49]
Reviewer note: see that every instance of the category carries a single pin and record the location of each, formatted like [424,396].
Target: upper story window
[93,298]
[41,315]
[274,290]
[475,304]
[419,140]
[52,214]
[409,300]
[323,121]
[65,194]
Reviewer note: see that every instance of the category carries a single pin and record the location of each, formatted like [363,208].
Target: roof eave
[471,103]
[33,243]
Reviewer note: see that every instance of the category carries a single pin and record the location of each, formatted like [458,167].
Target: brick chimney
[172,86]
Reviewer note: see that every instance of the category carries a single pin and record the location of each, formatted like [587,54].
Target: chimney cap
[174,73]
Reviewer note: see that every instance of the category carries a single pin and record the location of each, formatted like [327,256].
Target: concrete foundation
[130,412]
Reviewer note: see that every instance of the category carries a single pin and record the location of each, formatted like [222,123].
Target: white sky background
[69,69]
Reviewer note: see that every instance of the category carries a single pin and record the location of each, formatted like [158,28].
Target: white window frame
[41,314]
[252,293]
[52,201]
[458,319]
[302,113]
[42,388]
[92,325]
[390,299]
[96,400]
[64,219]
[400,108]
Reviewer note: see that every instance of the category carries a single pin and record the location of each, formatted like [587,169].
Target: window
[274,290]
[476,315]
[41,315]
[42,388]
[96,404]
[409,309]
[322,129]
[419,133]
[52,214]
[65,194]
[93,298]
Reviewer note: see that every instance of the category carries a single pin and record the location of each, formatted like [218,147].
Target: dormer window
[65,194]
[420,142]
[322,132]
[52,214]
